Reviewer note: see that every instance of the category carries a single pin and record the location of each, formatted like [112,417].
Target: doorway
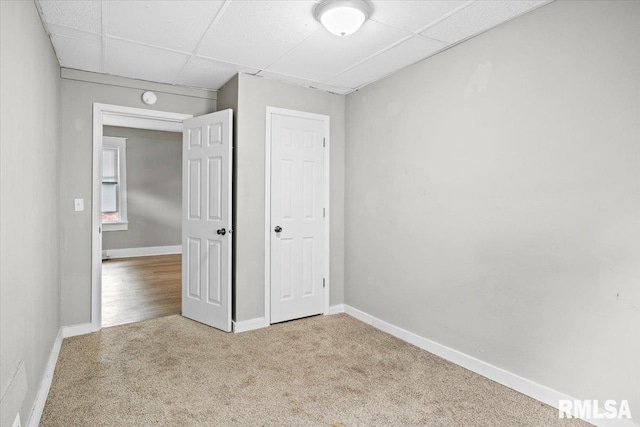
[297,214]
[203,284]
[141,224]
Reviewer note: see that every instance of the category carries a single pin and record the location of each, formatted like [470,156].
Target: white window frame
[121,145]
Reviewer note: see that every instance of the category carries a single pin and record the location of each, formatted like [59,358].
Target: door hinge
[323,282]
[324,212]
[324,142]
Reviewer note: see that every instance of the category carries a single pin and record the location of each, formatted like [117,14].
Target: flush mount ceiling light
[342,17]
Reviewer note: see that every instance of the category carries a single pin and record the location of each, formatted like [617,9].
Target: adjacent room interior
[428,218]
[142,224]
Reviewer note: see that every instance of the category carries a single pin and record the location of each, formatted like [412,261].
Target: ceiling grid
[204,43]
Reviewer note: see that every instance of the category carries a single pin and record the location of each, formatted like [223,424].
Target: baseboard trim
[336,309]
[499,375]
[74,330]
[250,325]
[45,384]
[136,252]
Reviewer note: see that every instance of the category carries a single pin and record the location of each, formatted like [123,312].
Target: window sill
[115,226]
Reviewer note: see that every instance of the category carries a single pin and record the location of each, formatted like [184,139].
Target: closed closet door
[297,217]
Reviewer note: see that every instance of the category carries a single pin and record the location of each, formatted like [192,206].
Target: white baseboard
[249,325]
[261,322]
[45,384]
[136,252]
[506,378]
[335,309]
[81,329]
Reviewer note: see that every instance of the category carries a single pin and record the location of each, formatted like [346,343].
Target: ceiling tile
[256,33]
[83,15]
[306,83]
[279,39]
[411,15]
[400,56]
[175,25]
[142,62]
[478,17]
[77,49]
[209,74]
[323,55]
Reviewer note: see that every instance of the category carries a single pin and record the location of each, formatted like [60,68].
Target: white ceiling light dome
[342,17]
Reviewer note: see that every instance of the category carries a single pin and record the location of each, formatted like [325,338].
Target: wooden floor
[135,289]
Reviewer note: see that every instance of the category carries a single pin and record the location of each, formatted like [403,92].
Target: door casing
[116,115]
[267,204]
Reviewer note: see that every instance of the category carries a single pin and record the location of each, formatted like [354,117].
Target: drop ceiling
[204,43]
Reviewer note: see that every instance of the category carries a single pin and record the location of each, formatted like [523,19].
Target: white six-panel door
[206,219]
[297,217]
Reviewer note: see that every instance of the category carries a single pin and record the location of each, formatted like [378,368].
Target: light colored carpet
[321,371]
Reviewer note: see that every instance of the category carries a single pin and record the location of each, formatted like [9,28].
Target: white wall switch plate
[78,205]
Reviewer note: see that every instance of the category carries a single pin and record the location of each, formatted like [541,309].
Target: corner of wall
[30,304]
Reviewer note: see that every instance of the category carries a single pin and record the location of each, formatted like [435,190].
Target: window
[114,184]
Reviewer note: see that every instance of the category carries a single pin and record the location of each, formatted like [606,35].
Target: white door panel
[297,194]
[206,219]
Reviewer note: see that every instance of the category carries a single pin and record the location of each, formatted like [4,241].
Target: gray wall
[228,99]
[494,198]
[75,176]
[254,95]
[30,142]
[154,190]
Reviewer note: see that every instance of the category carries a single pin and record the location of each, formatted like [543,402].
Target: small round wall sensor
[149,98]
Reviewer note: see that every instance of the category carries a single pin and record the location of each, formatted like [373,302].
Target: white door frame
[116,115]
[267,205]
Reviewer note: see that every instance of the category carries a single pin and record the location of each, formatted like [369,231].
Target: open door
[206,219]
